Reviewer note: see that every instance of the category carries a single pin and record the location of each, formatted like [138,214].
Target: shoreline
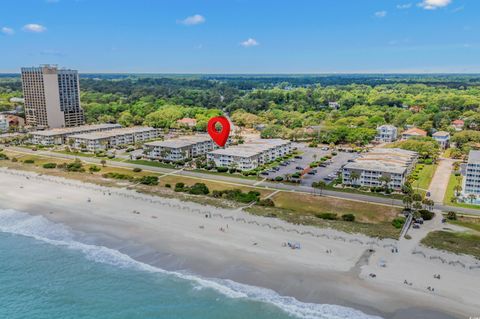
[175,240]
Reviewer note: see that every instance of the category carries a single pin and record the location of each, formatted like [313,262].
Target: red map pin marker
[220,138]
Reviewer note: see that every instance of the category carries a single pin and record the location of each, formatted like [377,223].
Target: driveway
[439,183]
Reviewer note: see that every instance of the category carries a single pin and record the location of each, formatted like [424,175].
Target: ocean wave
[40,228]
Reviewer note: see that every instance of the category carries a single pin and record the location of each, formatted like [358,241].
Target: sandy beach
[330,268]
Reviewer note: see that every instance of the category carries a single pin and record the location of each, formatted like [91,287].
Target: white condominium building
[100,141]
[368,169]
[179,149]
[250,155]
[52,97]
[3,123]
[442,137]
[471,184]
[58,136]
[386,133]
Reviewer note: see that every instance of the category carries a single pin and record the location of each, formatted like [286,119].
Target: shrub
[222,169]
[327,216]
[217,194]
[278,178]
[407,236]
[428,161]
[452,216]
[29,161]
[14,159]
[426,214]
[266,203]
[137,170]
[199,189]
[148,180]
[117,176]
[232,170]
[398,222]
[179,187]
[94,168]
[348,217]
[168,185]
[49,165]
[3,156]
[76,166]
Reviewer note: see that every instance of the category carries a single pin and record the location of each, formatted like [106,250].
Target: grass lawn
[203,171]
[148,163]
[370,219]
[450,193]
[425,175]
[470,222]
[356,191]
[82,154]
[456,242]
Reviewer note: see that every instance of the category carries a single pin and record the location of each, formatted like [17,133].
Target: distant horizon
[267,74]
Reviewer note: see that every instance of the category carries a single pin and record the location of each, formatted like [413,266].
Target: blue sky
[242,36]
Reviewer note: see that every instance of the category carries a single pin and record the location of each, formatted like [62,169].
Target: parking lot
[327,173]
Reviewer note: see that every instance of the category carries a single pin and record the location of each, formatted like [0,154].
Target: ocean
[46,271]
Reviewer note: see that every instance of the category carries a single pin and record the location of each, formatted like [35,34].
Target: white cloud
[33,27]
[193,20]
[434,4]
[381,14]
[250,42]
[404,6]
[7,31]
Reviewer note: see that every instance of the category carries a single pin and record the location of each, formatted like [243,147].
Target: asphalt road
[243,181]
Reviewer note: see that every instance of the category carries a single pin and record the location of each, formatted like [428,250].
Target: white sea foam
[40,228]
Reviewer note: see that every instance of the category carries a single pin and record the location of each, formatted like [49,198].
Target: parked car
[311,173]
[298,156]
[323,165]
[264,173]
[416,226]
[299,168]
[324,148]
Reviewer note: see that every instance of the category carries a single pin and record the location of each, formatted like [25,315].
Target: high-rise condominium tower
[52,97]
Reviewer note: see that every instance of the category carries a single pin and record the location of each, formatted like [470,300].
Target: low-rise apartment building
[471,184]
[59,136]
[442,137]
[101,141]
[179,149]
[3,123]
[371,168]
[250,155]
[413,132]
[386,133]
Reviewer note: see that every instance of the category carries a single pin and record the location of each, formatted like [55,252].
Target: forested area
[287,106]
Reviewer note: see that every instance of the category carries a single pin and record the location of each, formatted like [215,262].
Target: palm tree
[407,201]
[103,162]
[385,180]
[354,176]
[458,189]
[321,185]
[472,197]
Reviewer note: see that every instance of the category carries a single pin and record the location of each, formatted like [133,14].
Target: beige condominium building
[100,141]
[370,167]
[52,97]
